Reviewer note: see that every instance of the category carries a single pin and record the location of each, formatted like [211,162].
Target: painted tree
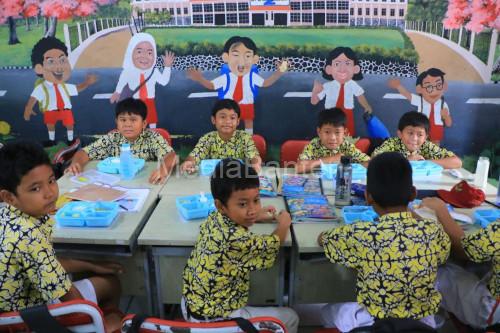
[9,11]
[475,15]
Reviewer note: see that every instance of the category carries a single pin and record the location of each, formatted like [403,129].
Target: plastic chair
[155,325]
[76,316]
[363,144]
[163,132]
[260,144]
[290,151]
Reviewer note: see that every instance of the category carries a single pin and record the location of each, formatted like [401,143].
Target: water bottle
[482,168]
[126,162]
[343,182]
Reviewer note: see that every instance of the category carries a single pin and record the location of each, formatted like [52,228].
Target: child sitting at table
[226,141]
[30,273]
[131,128]
[413,129]
[217,274]
[396,259]
[330,144]
[474,301]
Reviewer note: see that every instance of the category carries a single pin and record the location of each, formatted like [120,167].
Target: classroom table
[307,256]
[117,242]
[169,239]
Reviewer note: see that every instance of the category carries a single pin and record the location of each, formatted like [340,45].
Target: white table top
[166,227]
[185,184]
[124,229]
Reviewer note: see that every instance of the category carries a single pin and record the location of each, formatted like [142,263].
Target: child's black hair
[17,159]
[132,106]
[232,175]
[389,180]
[415,119]
[42,46]
[334,116]
[225,104]
[248,42]
[349,53]
[434,72]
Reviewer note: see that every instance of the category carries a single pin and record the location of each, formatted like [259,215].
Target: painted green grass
[20,54]
[386,38]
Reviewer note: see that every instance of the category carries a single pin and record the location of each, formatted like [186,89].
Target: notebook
[94,192]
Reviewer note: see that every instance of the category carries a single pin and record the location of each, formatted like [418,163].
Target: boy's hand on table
[416,157]
[284,219]
[74,169]
[158,176]
[188,166]
[267,213]
[331,159]
[321,241]
[435,204]
[107,268]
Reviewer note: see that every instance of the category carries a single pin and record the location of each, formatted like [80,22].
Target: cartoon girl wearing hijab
[140,75]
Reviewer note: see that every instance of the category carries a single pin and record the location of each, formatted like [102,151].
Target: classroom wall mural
[291,59]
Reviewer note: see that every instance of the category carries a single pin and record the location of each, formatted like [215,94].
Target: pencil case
[112,165]
[191,207]
[87,214]
[353,214]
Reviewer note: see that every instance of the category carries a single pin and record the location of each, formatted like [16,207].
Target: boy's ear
[7,196]
[238,122]
[212,118]
[144,124]
[318,130]
[225,57]
[219,205]
[413,195]
[356,69]
[39,69]
[399,134]
[368,198]
[255,59]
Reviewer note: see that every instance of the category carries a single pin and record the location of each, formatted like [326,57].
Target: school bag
[43,106]
[395,325]
[224,70]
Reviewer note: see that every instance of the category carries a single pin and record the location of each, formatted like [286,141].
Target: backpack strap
[66,90]
[39,319]
[45,104]
[245,325]
[254,88]
[137,321]
[223,90]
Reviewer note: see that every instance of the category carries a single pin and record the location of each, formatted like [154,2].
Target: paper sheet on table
[429,214]
[94,176]
[134,199]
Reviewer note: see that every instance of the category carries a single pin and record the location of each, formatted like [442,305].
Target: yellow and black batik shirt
[316,150]
[428,150]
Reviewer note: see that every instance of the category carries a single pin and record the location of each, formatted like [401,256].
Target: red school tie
[59,99]
[238,90]
[340,98]
[143,91]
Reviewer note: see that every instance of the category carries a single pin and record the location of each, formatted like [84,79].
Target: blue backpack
[225,71]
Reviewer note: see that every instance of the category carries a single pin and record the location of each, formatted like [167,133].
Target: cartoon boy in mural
[430,88]
[342,68]
[49,58]
[140,76]
[241,80]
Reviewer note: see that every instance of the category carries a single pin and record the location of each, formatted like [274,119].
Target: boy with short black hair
[413,129]
[226,141]
[474,300]
[330,144]
[30,273]
[131,128]
[217,274]
[396,259]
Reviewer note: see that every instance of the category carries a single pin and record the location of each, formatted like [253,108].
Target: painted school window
[331,4]
[367,11]
[319,5]
[244,18]
[231,7]
[242,6]
[295,5]
[197,18]
[197,9]
[360,11]
[401,12]
[232,18]
[384,12]
[343,5]
[331,18]
[306,17]
[219,7]
[295,17]
[208,8]
[393,11]
[306,5]
[343,18]
[209,19]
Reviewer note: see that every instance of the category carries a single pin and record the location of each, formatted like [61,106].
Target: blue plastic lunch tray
[190,207]
[208,166]
[484,217]
[353,214]
[112,165]
[87,214]
[329,171]
[425,168]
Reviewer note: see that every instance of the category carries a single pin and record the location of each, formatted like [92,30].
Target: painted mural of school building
[281,13]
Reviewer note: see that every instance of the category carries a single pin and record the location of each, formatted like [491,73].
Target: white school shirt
[419,101]
[331,91]
[133,78]
[40,96]
[221,81]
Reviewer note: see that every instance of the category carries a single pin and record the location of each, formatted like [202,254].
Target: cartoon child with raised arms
[49,58]
[140,75]
[342,69]
[429,100]
[241,82]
